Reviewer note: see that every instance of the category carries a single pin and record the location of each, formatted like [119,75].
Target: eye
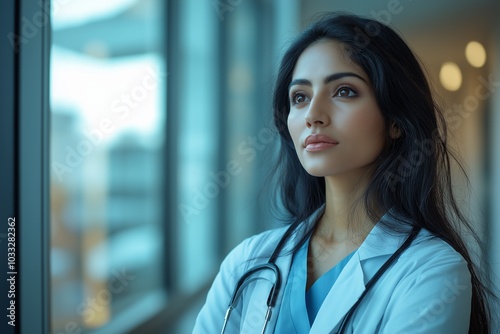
[345,91]
[298,98]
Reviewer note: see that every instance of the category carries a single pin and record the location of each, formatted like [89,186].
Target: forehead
[323,58]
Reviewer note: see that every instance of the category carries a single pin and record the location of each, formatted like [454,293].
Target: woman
[364,175]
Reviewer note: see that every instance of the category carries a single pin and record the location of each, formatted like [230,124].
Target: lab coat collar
[382,240]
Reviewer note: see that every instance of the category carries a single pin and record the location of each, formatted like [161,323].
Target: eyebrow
[327,79]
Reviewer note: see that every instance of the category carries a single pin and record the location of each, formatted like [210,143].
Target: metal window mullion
[222,84]
[170,156]
[33,151]
[8,154]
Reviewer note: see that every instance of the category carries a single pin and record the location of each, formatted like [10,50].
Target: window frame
[26,176]
[25,125]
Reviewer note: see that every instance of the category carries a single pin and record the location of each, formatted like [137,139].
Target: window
[153,167]
[107,137]
[196,212]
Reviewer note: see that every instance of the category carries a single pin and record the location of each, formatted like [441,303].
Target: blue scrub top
[300,307]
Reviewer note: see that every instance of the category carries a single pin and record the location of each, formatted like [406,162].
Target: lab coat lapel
[344,293]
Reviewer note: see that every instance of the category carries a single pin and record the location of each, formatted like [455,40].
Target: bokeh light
[475,54]
[450,76]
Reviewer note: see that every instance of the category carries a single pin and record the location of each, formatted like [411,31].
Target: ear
[394,131]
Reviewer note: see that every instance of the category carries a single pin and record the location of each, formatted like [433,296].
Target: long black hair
[412,176]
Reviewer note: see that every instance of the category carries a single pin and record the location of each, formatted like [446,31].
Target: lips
[319,142]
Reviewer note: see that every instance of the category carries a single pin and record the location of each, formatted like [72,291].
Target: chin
[324,170]
[321,171]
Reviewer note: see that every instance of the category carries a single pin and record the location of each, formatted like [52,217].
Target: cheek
[366,131]
[367,128]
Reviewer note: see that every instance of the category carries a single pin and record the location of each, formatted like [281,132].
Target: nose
[318,113]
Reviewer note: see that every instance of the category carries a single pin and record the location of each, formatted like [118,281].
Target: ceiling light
[450,76]
[475,54]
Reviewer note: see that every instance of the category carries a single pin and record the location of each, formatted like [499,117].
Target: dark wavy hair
[412,176]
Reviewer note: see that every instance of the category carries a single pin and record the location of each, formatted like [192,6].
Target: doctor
[363,173]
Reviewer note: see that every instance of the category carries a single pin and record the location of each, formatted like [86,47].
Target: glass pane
[107,139]
[198,150]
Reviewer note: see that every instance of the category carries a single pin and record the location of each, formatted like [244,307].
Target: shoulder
[430,258]
[252,249]
[235,264]
[427,259]
[428,249]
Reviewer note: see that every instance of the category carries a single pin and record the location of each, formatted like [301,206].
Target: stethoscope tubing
[245,280]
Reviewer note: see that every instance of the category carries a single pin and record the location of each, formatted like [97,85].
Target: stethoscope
[276,285]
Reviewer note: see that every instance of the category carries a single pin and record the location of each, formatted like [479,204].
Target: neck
[345,218]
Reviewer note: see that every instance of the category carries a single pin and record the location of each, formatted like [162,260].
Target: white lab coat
[428,290]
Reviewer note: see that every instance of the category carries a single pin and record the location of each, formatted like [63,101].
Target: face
[334,120]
